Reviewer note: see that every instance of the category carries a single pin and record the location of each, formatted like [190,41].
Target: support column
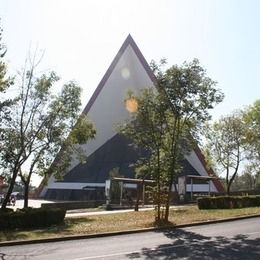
[143,194]
[107,191]
[121,192]
[191,189]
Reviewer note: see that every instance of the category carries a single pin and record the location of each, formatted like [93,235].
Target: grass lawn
[124,221]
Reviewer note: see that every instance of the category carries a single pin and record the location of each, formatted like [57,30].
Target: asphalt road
[230,240]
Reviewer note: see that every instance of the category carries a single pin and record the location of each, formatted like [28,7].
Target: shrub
[35,218]
[5,210]
[228,202]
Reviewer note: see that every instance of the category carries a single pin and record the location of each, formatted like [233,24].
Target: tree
[146,129]
[226,141]
[5,103]
[244,182]
[168,120]
[5,83]
[251,116]
[41,124]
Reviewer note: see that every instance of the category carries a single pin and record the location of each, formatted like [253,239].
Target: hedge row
[31,217]
[228,202]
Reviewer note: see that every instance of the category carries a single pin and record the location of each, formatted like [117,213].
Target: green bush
[5,210]
[228,202]
[31,218]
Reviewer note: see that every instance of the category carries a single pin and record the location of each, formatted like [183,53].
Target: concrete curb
[117,233]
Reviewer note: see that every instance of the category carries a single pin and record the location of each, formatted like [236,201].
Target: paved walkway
[90,212]
[36,203]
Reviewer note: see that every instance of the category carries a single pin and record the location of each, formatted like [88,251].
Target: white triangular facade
[106,109]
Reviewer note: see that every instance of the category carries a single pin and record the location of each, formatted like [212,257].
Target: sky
[80,38]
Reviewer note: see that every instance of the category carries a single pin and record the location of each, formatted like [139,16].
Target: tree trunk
[172,174]
[137,197]
[158,218]
[174,151]
[26,194]
[10,190]
[167,206]
[26,183]
[228,188]
[227,181]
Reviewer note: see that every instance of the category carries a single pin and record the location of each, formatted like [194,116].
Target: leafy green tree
[226,142]
[251,116]
[189,95]
[245,181]
[41,123]
[147,130]
[167,121]
[5,83]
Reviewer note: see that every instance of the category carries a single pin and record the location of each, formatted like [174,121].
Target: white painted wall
[108,111]
[81,185]
[197,187]
[73,185]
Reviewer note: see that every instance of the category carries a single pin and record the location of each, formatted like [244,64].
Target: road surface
[230,240]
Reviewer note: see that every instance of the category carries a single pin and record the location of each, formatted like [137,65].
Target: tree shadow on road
[189,245]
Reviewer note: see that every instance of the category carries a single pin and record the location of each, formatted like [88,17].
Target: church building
[109,150]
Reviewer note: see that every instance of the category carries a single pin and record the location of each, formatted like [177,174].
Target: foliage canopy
[167,122]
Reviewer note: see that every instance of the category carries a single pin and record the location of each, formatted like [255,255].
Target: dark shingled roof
[116,152]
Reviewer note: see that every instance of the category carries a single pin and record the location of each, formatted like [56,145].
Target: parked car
[17,195]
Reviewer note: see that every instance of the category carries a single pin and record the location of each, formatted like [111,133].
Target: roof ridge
[128,41]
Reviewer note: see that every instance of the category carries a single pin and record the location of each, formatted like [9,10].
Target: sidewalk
[36,203]
[76,213]
[88,212]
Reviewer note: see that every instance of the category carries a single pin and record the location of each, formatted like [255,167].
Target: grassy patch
[124,221]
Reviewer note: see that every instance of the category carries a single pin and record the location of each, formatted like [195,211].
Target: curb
[117,233]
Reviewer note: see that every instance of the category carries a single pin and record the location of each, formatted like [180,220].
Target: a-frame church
[106,109]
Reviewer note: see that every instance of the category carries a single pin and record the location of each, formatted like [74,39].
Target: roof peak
[129,41]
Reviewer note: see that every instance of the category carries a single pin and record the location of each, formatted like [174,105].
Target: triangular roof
[106,108]
[129,41]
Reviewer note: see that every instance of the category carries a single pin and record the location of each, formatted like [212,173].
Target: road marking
[252,233]
[126,253]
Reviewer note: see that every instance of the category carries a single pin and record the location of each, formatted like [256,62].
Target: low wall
[74,204]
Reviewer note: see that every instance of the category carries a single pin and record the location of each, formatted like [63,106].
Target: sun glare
[125,73]
[131,105]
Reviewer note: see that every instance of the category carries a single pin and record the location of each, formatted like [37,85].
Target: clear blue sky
[80,38]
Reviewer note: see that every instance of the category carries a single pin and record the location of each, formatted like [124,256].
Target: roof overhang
[130,180]
[200,177]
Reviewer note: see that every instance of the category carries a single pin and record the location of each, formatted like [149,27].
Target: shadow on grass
[176,211]
[76,221]
[64,227]
[189,245]
[162,224]
[12,235]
